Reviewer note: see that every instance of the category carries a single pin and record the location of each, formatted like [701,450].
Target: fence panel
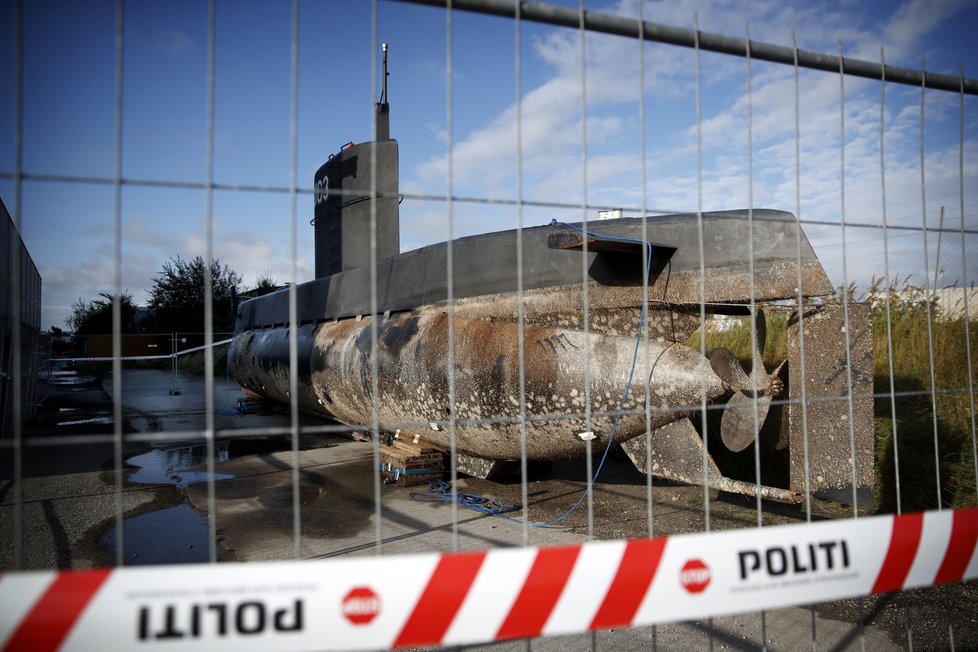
[666,342]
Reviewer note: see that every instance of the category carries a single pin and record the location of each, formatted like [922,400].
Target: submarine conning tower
[345,185]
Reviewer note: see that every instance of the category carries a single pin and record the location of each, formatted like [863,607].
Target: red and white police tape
[428,599]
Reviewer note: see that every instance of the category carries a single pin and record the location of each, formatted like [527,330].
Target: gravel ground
[63,516]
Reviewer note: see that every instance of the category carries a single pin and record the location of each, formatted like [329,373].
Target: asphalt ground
[69,496]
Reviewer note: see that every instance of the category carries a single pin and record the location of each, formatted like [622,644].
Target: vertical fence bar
[845,277]
[888,285]
[120,546]
[450,268]
[293,287]
[375,438]
[702,255]
[752,291]
[374,361]
[209,288]
[800,298]
[967,291]
[15,283]
[930,303]
[702,258]
[585,287]
[521,298]
[755,345]
[928,296]
[937,259]
[646,253]
[642,144]
[844,290]
[803,406]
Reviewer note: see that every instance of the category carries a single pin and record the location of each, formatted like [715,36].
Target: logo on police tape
[695,576]
[361,605]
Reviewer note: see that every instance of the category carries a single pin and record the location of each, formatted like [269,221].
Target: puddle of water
[169,465]
[71,379]
[177,535]
[79,422]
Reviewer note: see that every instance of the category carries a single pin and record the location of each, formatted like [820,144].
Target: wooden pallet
[410,454]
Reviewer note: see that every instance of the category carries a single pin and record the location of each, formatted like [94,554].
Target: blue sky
[69,126]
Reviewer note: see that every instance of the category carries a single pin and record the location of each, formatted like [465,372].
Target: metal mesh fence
[699,362]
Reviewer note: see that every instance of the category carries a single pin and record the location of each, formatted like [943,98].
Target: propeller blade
[758,375]
[726,365]
[737,429]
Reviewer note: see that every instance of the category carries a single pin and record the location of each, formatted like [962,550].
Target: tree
[265,284]
[177,296]
[95,317]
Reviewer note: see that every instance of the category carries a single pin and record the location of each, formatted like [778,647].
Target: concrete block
[837,416]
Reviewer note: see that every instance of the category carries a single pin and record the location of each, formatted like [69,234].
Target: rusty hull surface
[563,396]
[412,360]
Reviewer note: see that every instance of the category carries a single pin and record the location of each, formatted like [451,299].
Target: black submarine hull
[566,392]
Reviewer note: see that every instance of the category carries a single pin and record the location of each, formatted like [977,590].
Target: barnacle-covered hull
[564,395]
[577,362]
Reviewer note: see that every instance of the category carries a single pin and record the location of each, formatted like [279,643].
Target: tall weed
[934,422]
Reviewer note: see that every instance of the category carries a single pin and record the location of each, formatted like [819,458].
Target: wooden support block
[413,443]
[400,457]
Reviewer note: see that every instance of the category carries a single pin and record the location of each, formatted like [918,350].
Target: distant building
[949,303]
[63,343]
[20,326]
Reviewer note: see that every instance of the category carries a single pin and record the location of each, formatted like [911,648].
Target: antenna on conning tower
[382,122]
[383,92]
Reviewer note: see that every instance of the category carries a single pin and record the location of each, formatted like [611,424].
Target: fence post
[173,363]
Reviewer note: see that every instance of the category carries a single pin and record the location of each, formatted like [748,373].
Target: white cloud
[172,43]
[250,252]
[551,113]
[916,18]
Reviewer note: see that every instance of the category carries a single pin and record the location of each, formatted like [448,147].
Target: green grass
[738,340]
[919,417]
[923,465]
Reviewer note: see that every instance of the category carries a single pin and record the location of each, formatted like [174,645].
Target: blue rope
[441,492]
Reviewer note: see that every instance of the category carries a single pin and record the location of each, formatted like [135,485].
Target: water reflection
[170,465]
[177,535]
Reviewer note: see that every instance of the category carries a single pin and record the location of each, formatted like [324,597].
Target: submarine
[596,344]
